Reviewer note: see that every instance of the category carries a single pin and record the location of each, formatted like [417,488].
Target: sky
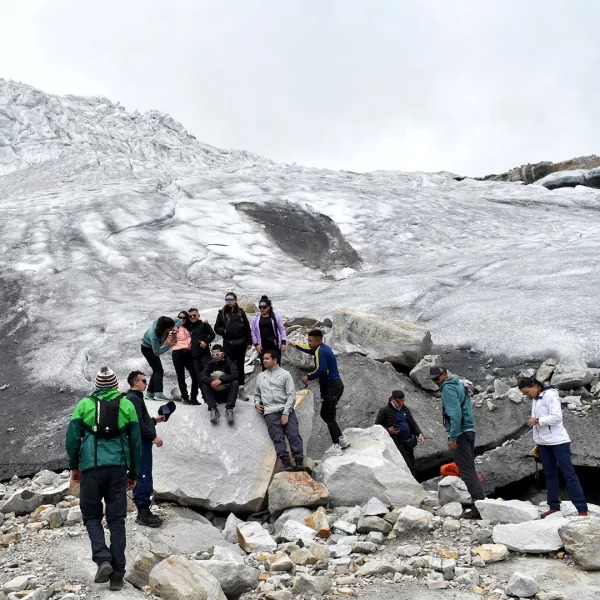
[468,86]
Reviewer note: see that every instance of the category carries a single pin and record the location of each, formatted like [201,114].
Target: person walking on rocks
[181,346]
[143,490]
[233,326]
[275,398]
[402,427]
[457,412]
[202,337]
[330,384]
[268,332]
[156,341]
[103,446]
[554,444]
[219,381]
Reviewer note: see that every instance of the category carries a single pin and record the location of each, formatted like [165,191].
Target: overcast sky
[470,86]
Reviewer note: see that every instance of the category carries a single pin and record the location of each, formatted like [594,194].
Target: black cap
[166,410]
[435,372]
[398,394]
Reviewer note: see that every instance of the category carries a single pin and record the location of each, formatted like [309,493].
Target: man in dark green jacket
[103,445]
[460,425]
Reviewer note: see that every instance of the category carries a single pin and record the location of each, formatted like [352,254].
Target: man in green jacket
[104,448]
[460,425]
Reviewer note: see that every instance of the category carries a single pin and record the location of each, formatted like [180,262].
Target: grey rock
[364,547]
[412,520]
[452,509]
[368,524]
[230,530]
[507,511]
[55,494]
[340,550]
[533,537]
[234,579]
[581,538]
[453,489]
[500,388]
[293,531]
[546,369]
[296,489]
[522,586]
[17,584]
[226,555]
[375,537]
[140,562]
[570,376]
[295,514]
[309,584]
[375,567]
[420,373]
[46,478]
[22,502]
[374,507]
[408,550]
[344,527]
[254,538]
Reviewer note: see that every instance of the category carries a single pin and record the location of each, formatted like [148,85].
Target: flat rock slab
[507,511]
[534,537]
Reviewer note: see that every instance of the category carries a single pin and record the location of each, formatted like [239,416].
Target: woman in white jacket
[554,444]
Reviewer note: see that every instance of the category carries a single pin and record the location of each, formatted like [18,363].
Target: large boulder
[140,563]
[238,461]
[296,489]
[373,460]
[570,376]
[22,502]
[509,511]
[581,538]
[382,338]
[177,578]
[420,373]
[532,537]
[412,520]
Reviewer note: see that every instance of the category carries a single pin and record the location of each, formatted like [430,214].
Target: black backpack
[106,422]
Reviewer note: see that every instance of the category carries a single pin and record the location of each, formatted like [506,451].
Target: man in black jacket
[202,337]
[143,489]
[219,381]
[396,418]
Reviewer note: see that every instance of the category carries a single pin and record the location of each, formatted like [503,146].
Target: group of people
[111,436]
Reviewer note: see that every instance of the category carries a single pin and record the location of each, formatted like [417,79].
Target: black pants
[464,457]
[156,379]
[182,360]
[408,452]
[108,484]
[237,354]
[199,363]
[278,433]
[331,392]
[144,487]
[228,396]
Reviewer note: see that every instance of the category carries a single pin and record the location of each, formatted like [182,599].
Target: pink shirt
[184,340]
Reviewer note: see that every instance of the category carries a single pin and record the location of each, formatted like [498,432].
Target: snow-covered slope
[109,219]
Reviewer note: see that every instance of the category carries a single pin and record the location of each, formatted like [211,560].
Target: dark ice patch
[309,237]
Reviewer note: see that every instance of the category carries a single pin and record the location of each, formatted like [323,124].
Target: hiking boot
[160,396]
[285,461]
[583,513]
[549,512]
[471,513]
[103,572]
[116,585]
[299,460]
[334,450]
[150,395]
[229,415]
[185,400]
[194,402]
[214,414]
[242,394]
[344,443]
[146,517]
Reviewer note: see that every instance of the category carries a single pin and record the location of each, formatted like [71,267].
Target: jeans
[237,354]
[156,379]
[228,396]
[331,392]
[278,433]
[144,487]
[407,451]
[559,457]
[182,360]
[108,484]
[464,457]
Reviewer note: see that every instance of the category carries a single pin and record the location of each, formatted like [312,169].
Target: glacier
[110,218]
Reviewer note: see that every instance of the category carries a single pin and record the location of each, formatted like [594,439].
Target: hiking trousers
[229,396]
[331,392]
[182,360]
[278,434]
[559,457]
[155,384]
[108,484]
[144,487]
[464,457]
[408,452]
[237,354]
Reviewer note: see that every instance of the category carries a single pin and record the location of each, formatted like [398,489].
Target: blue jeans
[559,457]
[144,486]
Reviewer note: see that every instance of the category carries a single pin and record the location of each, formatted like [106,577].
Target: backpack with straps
[106,421]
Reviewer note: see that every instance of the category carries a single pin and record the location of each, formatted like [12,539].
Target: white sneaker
[344,443]
[335,450]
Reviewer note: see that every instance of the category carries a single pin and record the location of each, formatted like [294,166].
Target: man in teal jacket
[106,465]
[460,425]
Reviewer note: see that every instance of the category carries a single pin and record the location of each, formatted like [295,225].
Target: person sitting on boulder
[554,444]
[457,414]
[274,398]
[330,384]
[219,381]
[402,427]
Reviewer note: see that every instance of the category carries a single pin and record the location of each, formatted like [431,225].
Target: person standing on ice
[268,332]
[554,444]
[457,412]
[233,326]
[330,384]
[156,341]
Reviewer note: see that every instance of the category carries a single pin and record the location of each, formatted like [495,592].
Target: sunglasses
[215,355]
[182,317]
[229,299]
[263,306]
[143,380]
[194,316]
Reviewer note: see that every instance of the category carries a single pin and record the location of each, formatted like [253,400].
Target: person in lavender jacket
[268,332]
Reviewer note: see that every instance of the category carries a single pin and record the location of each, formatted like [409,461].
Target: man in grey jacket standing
[274,398]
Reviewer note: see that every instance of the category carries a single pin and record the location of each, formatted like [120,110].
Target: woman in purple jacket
[268,332]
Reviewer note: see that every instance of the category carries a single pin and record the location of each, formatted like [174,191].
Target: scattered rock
[319,522]
[534,537]
[491,553]
[581,538]
[17,584]
[376,567]
[295,489]
[293,532]
[235,579]
[140,563]
[452,509]
[522,586]
[295,514]
[408,550]
[509,511]
[412,520]
[230,532]
[453,489]
[309,584]
[374,507]
[420,373]
[253,538]
[22,502]
[570,376]
[546,369]
[367,524]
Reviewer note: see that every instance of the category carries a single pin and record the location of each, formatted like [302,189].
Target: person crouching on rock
[402,427]
[554,444]
[219,381]
[268,332]
[274,398]
[182,358]
[143,489]
[156,341]
[103,446]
